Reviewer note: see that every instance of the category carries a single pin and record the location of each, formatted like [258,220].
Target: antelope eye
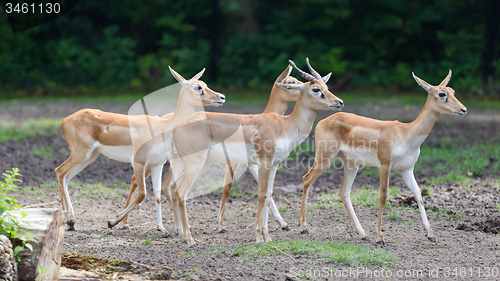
[442,94]
[316,90]
[291,82]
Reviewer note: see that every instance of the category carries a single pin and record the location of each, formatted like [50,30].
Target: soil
[464,216]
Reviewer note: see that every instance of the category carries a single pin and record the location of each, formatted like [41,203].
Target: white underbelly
[118,153]
[232,153]
[362,156]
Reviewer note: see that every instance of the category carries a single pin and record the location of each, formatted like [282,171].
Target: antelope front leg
[350,170]
[322,162]
[264,172]
[226,191]
[141,186]
[156,179]
[254,170]
[265,215]
[385,170]
[133,187]
[410,181]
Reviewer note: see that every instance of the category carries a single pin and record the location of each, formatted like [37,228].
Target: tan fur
[194,136]
[397,146]
[88,129]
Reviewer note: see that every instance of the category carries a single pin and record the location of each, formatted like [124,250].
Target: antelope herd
[192,142]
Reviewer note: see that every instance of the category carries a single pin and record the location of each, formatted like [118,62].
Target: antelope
[267,140]
[278,103]
[91,132]
[389,145]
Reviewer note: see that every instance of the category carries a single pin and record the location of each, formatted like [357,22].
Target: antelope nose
[464,110]
[340,102]
[222,97]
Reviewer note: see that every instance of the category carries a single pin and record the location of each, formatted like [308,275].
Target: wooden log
[46,226]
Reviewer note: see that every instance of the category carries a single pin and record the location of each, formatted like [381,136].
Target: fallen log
[46,227]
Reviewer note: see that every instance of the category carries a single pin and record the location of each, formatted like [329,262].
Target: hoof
[167,235]
[286,228]
[110,225]
[367,239]
[381,242]
[432,239]
[193,246]
[123,228]
[222,231]
[304,232]
[71,225]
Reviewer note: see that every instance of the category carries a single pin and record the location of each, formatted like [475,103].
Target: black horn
[302,73]
[313,72]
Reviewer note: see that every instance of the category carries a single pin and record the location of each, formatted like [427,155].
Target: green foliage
[28,128]
[340,253]
[105,45]
[146,242]
[454,163]
[9,224]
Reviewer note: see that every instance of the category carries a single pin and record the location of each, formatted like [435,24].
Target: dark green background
[127,45]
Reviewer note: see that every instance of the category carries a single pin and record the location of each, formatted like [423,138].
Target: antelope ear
[284,74]
[291,86]
[422,83]
[177,76]
[446,80]
[326,77]
[197,76]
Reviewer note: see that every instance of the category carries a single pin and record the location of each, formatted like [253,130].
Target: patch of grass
[498,206]
[146,242]
[457,163]
[340,253]
[426,191]
[328,201]
[43,152]
[107,239]
[394,216]
[282,209]
[393,191]
[193,271]
[18,131]
[411,224]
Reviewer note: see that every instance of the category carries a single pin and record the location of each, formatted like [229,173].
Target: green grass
[365,197]
[394,216]
[411,224]
[146,242]
[339,253]
[46,152]
[498,206]
[29,128]
[193,271]
[112,189]
[457,163]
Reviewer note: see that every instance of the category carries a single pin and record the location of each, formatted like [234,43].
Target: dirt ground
[464,216]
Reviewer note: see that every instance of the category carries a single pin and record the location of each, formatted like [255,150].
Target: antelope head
[315,90]
[197,92]
[442,98]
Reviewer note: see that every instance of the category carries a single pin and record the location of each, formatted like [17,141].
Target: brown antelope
[267,139]
[389,145]
[91,132]
[278,103]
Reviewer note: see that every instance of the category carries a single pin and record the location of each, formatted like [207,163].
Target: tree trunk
[46,226]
